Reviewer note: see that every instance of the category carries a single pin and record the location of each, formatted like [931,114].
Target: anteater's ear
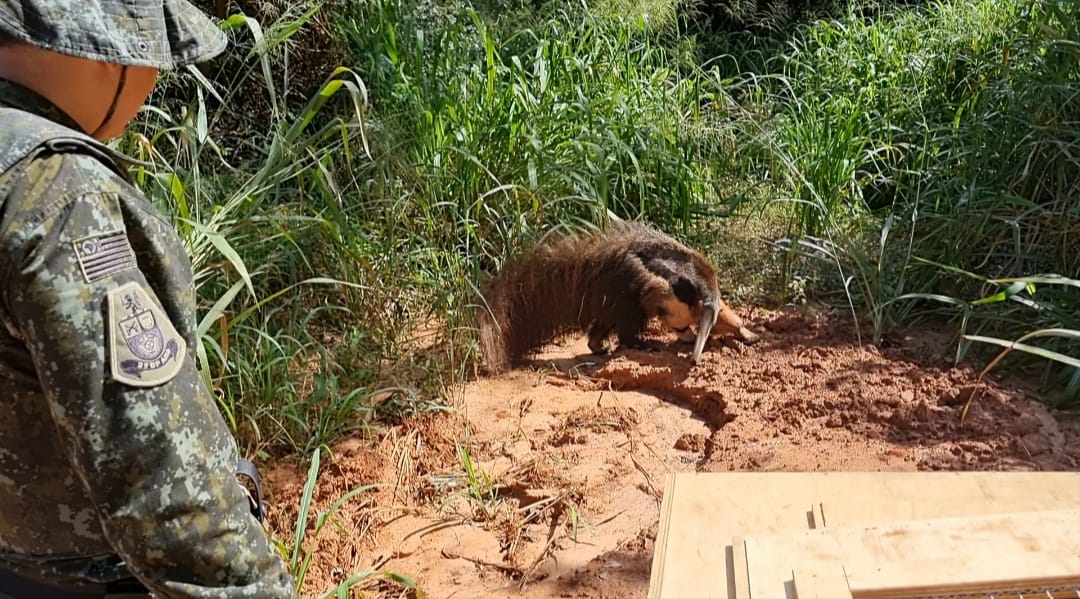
[685,290]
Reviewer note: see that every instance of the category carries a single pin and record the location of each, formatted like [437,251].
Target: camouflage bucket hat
[156,33]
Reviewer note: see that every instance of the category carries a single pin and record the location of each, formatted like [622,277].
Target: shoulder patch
[102,255]
[144,348]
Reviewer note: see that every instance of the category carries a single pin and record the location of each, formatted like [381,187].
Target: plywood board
[986,572]
[741,573]
[701,512]
[970,494]
[822,583]
[938,556]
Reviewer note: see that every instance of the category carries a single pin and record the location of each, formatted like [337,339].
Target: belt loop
[254,490]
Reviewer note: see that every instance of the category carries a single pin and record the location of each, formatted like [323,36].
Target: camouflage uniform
[114,459]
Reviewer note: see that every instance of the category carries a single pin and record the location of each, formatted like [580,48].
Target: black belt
[17,586]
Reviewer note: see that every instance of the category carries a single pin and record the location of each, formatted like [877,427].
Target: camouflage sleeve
[101,291]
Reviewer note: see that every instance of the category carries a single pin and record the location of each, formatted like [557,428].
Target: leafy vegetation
[951,145]
[913,162]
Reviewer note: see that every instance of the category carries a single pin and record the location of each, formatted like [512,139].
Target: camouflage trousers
[15,586]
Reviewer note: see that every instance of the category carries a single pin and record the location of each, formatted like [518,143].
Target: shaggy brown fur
[613,280]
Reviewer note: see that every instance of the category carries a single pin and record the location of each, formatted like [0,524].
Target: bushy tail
[534,298]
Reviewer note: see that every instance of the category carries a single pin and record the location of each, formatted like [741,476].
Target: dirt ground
[569,457]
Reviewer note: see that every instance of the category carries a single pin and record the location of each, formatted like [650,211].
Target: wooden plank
[982,495]
[694,564]
[985,573]
[699,508]
[942,555]
[830,583]
[740,570]
[663,531]
[819,515]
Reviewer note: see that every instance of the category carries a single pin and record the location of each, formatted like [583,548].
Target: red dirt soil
[576,451]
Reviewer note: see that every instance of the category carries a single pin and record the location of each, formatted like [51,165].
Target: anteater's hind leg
[622,317]
[598,334]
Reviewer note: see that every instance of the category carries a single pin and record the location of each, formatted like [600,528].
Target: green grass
[934,152]
[496,131]
[921,156]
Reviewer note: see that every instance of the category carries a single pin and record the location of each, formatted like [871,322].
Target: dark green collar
[13,95]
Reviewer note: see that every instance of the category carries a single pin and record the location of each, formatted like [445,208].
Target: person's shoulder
[77,172]
[51,179]
[60,191]
[26,152]
[33,120]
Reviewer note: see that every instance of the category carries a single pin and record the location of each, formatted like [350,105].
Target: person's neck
[71,85]
[14,95]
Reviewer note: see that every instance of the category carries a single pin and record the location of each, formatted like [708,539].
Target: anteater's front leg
[630,323]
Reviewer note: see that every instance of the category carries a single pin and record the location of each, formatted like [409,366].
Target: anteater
[610,280]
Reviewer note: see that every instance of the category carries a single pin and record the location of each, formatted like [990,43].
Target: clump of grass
[298,559]
[500,130]
[490,133]
[930,155]
[265,237]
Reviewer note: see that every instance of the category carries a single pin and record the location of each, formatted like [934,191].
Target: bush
[933,155]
